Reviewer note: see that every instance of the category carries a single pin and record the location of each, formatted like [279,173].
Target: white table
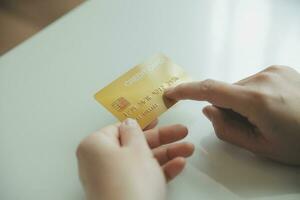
[47,86]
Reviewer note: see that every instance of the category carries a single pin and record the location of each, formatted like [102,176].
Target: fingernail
[131,122]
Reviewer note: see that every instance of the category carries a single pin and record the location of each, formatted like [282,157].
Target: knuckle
[207,85]
[278,68]
[274,68]
[264,77]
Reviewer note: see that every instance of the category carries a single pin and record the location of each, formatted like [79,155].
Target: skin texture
[260,113]
[122,162]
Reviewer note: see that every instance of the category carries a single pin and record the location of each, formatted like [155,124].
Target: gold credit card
[138,94]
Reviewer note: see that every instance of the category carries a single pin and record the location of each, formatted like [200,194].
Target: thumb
[131,135]
[233,128]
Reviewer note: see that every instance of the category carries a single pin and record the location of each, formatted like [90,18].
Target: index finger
[218,93]
[165,135]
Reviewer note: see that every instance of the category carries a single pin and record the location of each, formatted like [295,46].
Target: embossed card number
[138,94]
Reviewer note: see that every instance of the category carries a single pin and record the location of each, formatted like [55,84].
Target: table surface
[47,86]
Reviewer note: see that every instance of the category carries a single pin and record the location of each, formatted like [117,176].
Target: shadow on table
[243,173]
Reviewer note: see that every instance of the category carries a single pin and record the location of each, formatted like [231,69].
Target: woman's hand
[260,113]
[121,162]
